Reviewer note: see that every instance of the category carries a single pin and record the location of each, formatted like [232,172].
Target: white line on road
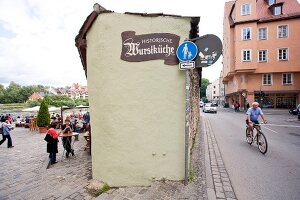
[270,129]
[291,126]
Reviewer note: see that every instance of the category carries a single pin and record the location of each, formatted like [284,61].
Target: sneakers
[11,147]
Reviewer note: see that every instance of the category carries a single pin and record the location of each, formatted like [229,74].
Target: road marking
[291,126]
[270,129]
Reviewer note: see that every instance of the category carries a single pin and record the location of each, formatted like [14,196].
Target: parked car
[293,111]
[201,104]
[209,107]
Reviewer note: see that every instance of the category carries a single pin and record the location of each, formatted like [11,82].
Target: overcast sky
[37,36]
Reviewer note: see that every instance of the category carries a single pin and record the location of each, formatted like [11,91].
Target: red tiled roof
[228,9]
[289,8]
[35,96]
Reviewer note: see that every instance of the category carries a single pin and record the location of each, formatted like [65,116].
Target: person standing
[6,126]
[298,108]
[67,140]
[52,139]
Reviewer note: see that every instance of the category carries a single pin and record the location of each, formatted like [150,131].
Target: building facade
[136,95]
[261,50]
[209,92]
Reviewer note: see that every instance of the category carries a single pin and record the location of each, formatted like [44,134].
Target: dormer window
[277,10]
[271,2]
[246,9]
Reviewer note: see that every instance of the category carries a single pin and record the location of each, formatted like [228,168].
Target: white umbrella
[33,109]
[82,106]
[53,108]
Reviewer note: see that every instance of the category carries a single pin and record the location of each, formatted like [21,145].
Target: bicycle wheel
[249,139]
[262,143]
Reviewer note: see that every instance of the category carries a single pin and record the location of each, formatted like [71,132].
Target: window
[267,79]
[287,79]
[271,2]
[277,10]
[283,54]
[262,55]
[282,31]
[246,55]
[262,33]
[246,33]
[246,9]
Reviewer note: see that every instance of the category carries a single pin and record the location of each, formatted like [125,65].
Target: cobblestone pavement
[24,175]
[221,182]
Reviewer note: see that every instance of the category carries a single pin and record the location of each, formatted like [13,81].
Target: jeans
[9,142]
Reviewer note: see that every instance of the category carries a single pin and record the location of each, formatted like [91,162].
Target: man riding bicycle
[253,113]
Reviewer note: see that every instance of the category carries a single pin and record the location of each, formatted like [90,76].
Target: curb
[218,181]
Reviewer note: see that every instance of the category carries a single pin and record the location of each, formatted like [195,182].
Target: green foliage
[103,189]
[16,93]
[226,105]
[204,83]
[43,117]
[84,102]
[33,103]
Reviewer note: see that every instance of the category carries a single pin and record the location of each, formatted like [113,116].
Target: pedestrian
[52,139]
[298,108]
[6,128]
[238,106]
[67,140]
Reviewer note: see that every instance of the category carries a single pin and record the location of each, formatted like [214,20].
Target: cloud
[37,37]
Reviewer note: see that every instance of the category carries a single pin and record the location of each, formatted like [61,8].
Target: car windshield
[210,105]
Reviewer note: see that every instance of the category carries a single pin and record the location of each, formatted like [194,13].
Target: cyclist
[253,113]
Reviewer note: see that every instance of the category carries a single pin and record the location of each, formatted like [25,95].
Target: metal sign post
[187,126]
[186,52]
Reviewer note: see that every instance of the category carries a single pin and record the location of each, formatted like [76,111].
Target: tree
[204,83]
[43,117]
[2,90]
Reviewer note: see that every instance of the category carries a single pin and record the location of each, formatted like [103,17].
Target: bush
[33,103]
[43,117]
[226,105]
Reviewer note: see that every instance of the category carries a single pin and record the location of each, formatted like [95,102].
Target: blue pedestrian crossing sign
[187,51]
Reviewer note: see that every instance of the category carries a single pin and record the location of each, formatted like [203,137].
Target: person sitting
[67,140]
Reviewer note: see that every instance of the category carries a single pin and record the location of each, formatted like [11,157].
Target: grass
[103,189]
[11,106]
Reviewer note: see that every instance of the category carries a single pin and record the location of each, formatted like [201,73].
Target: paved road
[275,175]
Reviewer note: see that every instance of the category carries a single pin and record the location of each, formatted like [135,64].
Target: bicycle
[259,137]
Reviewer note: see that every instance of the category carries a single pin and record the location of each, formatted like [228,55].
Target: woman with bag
[52,148]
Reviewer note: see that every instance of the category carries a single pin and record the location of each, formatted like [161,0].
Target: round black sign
[209,50]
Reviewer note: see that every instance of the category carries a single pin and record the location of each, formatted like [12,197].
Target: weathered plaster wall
[137,108]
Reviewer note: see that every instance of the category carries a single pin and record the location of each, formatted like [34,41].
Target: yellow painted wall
[137,108]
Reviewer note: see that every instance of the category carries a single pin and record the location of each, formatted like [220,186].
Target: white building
[209,92]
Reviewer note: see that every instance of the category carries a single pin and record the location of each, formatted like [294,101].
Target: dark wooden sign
[154,46]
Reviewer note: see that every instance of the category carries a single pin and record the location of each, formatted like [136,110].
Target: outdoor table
[68,142]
